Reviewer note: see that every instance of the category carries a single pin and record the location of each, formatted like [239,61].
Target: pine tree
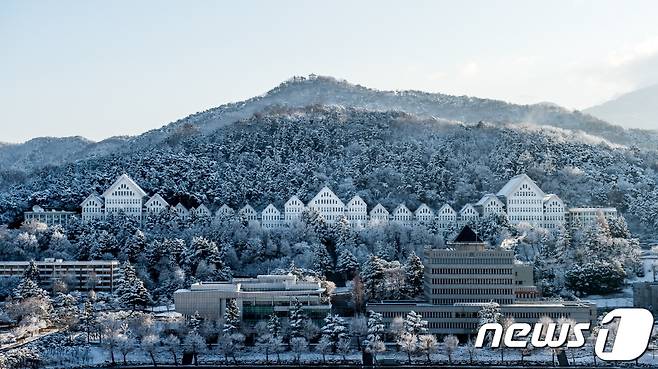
[296,319]
[414,273]
[373,277]
[489,313]
[231,317]
[347,264]
[130,289]
[134,246]
[322,263]
[374,342]
[194,321]
[88,318]
[32,272]
[334,330]
[414,324]
[274,325]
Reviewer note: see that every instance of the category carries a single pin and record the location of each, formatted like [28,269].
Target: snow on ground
[625,297]
[97,356]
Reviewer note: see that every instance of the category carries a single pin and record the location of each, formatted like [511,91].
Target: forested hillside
[300,92]
[386,157]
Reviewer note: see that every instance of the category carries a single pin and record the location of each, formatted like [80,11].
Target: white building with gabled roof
[202,211]
[468,214]
[402,215]
[524,201]
[270,217]
[554,212]
[490,204]
[328,205]
[379,215]
[446,216]
[249,214]
[182,211]
[224,212]
[293,209]
[124,195]
[424,214]
[156,204]
[357,212]
[92,208]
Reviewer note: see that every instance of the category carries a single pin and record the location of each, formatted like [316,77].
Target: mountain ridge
[637,108]
[299,92]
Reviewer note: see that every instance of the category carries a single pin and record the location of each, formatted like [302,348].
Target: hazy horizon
[113,69]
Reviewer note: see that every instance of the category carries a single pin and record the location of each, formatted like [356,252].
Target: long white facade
[520,200]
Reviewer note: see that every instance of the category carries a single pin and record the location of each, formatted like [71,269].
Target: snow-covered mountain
[300,92]
[636,109]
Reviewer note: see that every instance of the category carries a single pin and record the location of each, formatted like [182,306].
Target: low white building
[50,218]
[257,298]
[579,217]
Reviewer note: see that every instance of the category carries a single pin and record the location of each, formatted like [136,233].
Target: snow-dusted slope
[301,91]
[637,109]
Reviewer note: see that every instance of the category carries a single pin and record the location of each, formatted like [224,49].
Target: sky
[100,69]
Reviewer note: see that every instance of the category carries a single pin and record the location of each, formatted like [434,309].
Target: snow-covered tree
[231,317]
[427,344]
[373,275]
[324,346]
[130,290]
[359,329]
[172,344]
[194,345]
[450,344]
[414,324]
[298,345]
[347,264]
[296,319]
[150,344]
[408,343]
[414,273]
[374,342]
[334,330]
[230,345]
[274,325]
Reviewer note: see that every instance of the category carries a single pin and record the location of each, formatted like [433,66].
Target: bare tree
[428,345]
[407,343]
[450,344]
[172,345]
[324,346]
[359,329]
[150,344]
[298,345]
[125,345]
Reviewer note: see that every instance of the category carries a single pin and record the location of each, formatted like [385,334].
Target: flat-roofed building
[99,275]
[50,218]
[467,274]
[257,298]
[468,271]
[462,318]
[579,217]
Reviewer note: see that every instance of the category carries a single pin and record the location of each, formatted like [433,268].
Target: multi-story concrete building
[257,298]
[466,271]
[579,217]
[98,275]
[50,218]
[461,278]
